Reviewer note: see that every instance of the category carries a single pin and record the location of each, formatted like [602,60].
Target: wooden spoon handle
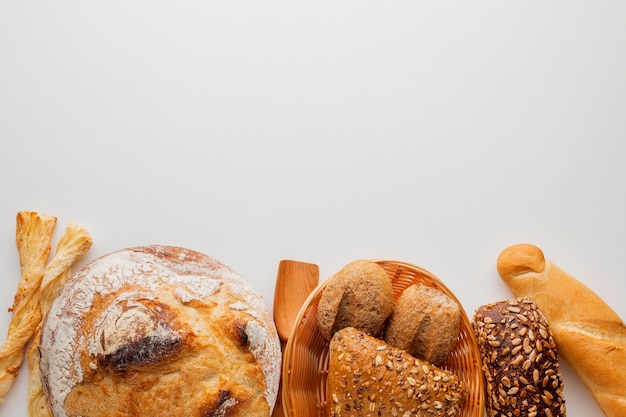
[294,282]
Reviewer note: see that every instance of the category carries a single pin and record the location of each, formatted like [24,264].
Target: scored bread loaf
[368,377]
[425,322]
[520,360]
[159,331]
[590,336]
[359,295]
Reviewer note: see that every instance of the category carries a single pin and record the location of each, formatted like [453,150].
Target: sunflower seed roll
[519,360]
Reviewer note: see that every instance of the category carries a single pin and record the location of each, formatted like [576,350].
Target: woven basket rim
[474,378]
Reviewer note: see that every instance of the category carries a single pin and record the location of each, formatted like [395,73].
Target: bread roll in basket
[306,356]
[159,331]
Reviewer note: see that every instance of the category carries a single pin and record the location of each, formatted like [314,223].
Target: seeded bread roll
[425,322]
[519,360]
[367,377]
[590,335]
[360,295]
[159,331]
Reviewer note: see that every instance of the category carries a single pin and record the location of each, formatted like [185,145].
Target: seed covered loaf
[368,377]
[520,360]
[590,336]
[159,331]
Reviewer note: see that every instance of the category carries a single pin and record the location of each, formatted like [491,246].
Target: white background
[435,133]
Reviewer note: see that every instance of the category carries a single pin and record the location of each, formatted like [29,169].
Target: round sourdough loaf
[159,331]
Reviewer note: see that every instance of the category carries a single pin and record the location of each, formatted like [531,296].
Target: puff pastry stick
[74,243]
[33,234]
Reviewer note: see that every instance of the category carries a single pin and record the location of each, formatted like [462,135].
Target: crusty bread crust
[425,322]
[590,336]
[360,295]
[159,331]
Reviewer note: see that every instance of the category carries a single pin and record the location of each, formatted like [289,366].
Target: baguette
[589,335]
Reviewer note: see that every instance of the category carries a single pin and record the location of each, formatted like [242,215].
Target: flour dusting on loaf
[159,330]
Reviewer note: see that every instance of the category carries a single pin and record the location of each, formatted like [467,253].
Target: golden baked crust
[590,335]
[360,295]
[32,237]
[367,377]
[159,331]
[75,242]
[425,322]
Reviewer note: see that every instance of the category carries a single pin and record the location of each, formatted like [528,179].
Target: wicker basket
[305,363]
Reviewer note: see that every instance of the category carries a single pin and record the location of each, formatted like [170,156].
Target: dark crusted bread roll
[159,331]
[519,360]
[425,322]
[360,295]
[367,377]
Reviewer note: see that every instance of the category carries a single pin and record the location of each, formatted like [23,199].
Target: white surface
[436,134]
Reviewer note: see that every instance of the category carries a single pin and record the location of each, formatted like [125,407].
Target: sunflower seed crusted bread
[368,377]
[519,360]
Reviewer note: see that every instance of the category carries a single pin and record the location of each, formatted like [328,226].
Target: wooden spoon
[294,282]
